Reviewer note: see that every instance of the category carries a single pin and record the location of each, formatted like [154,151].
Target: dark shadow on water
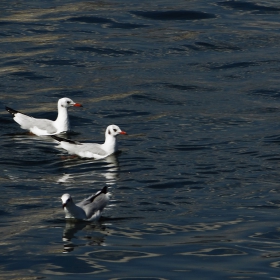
[30,75]
[234,65]
[104,21]
[249,6]
[57,62]
[127,25]
[173,15]
[206,47]
[118,219]
[176,185]
[90,19]
[272,139]
[141,278]
[3,213]
[105,51]
[267,93]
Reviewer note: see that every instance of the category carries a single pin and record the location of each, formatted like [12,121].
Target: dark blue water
[195,188]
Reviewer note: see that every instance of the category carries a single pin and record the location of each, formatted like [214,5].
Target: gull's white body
[93,150]
[44,126]
[89,209]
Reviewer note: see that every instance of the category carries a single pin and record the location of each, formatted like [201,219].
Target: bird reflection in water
[92,234]
[107,168]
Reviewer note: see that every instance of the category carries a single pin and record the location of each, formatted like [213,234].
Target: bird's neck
[110,144]
[62,121]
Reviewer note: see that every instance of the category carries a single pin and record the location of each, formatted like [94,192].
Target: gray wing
[27,122]
[95,202]
[91,198]
[81,149]
[45,125]
[90,147]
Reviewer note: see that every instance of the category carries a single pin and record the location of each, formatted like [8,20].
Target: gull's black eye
[115,130]
[68,102]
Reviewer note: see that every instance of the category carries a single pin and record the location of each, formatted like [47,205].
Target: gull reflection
[90,232]
[87,170]
[25,138]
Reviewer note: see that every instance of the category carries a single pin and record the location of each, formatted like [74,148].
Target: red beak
[78,105]
[123,132]
[63,205]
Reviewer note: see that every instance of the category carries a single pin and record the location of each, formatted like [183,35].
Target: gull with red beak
[93,150]
[89,209]
[44,126]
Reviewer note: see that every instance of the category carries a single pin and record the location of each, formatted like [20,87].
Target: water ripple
[221,252]
[119,256]
[197,183]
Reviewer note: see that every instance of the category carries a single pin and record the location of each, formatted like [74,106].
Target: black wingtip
[11,111]
[57,138]
[60,139]
[104,190]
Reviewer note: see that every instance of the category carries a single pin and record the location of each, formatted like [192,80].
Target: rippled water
[195,189]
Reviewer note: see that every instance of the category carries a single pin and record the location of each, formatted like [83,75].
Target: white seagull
[93,150]
[89,209]
[45,126]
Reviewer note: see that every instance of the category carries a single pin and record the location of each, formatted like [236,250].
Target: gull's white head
[114,130]
[67,102]
[66,199]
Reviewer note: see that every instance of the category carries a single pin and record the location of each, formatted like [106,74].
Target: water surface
[195,187]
